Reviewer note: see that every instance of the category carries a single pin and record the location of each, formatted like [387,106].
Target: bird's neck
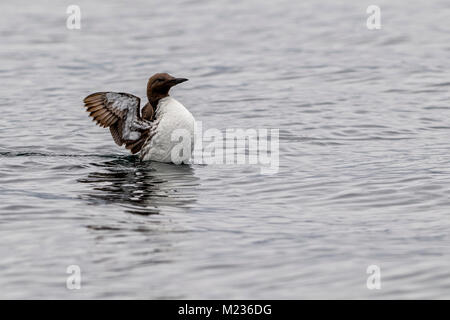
[154,97]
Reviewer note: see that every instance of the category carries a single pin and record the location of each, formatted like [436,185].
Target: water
[364,176]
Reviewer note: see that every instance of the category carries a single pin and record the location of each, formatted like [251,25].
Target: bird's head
[159,84]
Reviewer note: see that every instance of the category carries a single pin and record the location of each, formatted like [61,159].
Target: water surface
[364,178]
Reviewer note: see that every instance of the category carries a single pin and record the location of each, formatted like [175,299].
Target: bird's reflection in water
[141,187]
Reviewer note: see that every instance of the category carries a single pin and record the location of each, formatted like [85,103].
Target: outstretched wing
[120,112]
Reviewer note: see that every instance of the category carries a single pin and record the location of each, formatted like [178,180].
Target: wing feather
[120,112]
[116,133]
[136,146]
[109,107]
[94,108]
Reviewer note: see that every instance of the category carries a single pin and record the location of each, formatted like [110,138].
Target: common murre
[149,133]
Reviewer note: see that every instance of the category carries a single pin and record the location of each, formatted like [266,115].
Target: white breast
[172,118]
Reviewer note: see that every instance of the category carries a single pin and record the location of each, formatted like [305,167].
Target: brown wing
[136,146]
[148,112]
[120,112]
[108,107]
[116,132]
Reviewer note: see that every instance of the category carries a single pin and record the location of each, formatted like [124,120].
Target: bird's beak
[176,81]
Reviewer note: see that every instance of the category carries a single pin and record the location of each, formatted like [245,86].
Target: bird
[148,132]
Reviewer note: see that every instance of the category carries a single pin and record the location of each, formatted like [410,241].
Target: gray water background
[364,178]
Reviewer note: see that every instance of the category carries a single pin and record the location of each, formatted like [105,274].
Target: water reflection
[141,187]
